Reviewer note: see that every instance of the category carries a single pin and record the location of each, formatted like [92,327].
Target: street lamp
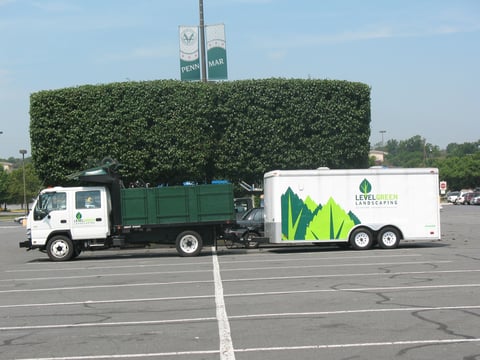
[23,152]
[382,132]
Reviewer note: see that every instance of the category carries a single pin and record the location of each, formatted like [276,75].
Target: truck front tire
[60,248]
[189,243]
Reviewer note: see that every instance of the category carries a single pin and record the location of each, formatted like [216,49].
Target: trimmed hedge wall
[169,131]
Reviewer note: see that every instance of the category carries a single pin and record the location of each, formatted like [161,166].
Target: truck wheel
[361,239]
[60,248]
[189,243]
[388,238]
[249,238]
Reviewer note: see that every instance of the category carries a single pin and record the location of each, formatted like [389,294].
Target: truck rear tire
[60,248]
[361,239]
[388,238]
[189,243]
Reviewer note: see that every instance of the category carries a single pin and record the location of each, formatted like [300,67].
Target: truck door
[89,215]
[50,214]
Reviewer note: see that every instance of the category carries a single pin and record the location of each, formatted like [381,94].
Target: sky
[421,58]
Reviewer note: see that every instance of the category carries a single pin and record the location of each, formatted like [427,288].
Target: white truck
[65,221]
[360,207]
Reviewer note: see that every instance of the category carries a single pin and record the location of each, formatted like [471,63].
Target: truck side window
[88,199]
[49,202]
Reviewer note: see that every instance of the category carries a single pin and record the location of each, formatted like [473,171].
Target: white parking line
[272,293]
[226,345]
[239,317]
[368,344]
[349,275]
[278,348]
[296,267]
[59,267]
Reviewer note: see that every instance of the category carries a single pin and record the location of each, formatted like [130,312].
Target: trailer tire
[249,238]
[60,248]
[189,243]
[388,238]
[361,239]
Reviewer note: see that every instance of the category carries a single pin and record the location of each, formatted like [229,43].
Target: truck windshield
[48,202]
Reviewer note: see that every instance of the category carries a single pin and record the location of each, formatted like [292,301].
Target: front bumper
[25,244]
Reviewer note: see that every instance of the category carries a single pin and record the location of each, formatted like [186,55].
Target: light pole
[382,132]
[202,43]
[23,152]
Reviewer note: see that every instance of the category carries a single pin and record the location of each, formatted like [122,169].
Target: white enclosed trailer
[361,207]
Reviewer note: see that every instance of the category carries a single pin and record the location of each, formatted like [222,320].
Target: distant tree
[413,152]
[468,148]
[3,188]
[460,172]
[15,185]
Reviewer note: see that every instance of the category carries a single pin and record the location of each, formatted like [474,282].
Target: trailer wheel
[189,243]
[60,248]
[249,238]
[361,239]
[388,238]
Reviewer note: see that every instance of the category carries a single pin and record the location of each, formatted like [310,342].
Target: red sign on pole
[443,186]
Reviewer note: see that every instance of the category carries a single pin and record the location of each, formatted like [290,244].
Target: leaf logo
[79,216]
[365,187]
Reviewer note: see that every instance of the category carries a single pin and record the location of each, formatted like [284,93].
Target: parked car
[460,200]
[467,197]
[242,205]
[452,196]
[20,219]
[476,200]
[470,196]
[250,226]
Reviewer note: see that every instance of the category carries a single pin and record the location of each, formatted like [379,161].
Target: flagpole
[202,42]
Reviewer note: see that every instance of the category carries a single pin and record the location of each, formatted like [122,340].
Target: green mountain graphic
[305,220]
[295,216]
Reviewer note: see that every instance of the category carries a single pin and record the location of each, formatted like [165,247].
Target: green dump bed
[177,205]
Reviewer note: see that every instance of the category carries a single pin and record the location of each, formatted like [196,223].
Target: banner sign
[189,53]
[216,52]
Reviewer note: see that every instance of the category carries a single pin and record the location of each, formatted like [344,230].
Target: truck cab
[65,215]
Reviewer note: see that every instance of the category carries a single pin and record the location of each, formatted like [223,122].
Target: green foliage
[460,172]
[15,186]
[459,165]
[3,186]
[170,131]
[459,150]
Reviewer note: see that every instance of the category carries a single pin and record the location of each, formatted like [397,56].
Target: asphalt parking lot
[420,301]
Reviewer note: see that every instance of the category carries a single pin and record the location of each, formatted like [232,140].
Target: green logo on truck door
[306,220]
[80,220]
